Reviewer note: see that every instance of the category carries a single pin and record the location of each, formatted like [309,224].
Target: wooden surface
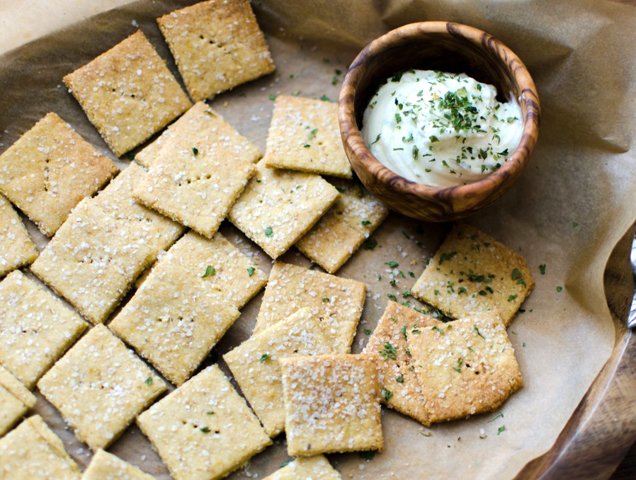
[603,428]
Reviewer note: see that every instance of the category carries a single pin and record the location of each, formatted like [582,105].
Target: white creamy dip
[440,129]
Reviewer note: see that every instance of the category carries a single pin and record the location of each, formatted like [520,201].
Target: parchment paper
[572,204]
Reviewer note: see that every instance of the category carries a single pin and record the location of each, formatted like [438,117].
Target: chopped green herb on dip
[441,129]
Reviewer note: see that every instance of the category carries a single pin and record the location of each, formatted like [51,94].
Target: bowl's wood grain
[448,47]
[603,427]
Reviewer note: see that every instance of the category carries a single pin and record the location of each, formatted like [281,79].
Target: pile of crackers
[153,229]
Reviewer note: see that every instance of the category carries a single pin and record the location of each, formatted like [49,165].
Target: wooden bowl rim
[482,188]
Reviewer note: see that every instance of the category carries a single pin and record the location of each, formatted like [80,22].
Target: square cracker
[255,363]
[401,389]
[198,174]
[33,452]
[465,367]
[36,328]
[307,468]
[304,135]
[99,387]
[338,301]
[15,400]
[278,207]
[183,309]
[16,247]
[341,231]
[332,404]
[204,429]
[217,45]
[107,241]
[128,93]
[49,170]
[472,274]
[106,466]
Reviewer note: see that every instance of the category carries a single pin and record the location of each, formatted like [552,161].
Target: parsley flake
[388,351]
[210,271]
[250,271]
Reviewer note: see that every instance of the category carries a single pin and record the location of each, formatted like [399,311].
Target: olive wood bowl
[449,47]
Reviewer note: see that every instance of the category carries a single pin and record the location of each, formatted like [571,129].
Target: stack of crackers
[153,229]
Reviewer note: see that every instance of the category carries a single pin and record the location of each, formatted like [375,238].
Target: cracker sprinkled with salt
[99,387]
[401,389]
[304,135]
[203,430]
[106,466]
[473,274]
[189,300]
[49,170]
[104,245]
[32,451]
[15,400]
[278,207]
[128,93]
[16,247]
[308,468]
[36,328]
[338,301]
[217,45]
[199,172]
[341,231]
[332,404]
[465,367]
[255,363]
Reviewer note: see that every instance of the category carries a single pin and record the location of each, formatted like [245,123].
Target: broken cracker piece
[255,363]
[332,404]
[304,135]
[217,45]
[33,452]
[278,207]
[401,389]
[339,301]
[49,170]
[15,400]
[306,468]
[99,387]
[106,466]
[343,229]
[16,247]
[36,328]
[204,429]
[128,93]
[472,274]
[465,367]
[199,172]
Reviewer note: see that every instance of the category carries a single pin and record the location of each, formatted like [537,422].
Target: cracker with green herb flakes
[33,452]
[104,245]
[199,172]
[338,301]
[106,466]
[15,400]
[308,468]
[400,386]
[16,247]
[187,303]
[217,45]
[204,429]
[49,170]
[36,328]
[473,274]
[332,404]
[343,229]
[278,207]
[255,363]
[99,387]
[465,367]
[304,136]
[128,93]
